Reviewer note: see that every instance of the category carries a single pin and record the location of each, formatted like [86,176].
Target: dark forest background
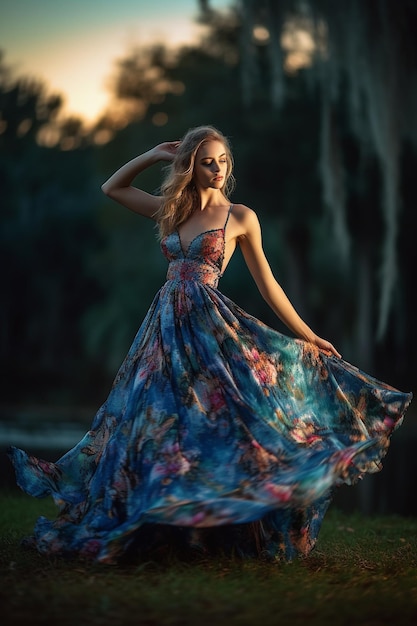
[318,99]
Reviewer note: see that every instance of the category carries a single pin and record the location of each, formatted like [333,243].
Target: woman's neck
[211,197]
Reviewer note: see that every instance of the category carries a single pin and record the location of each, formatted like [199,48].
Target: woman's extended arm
[119,187]
[271,291]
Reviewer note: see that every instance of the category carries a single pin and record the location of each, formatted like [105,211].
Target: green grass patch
[363,571]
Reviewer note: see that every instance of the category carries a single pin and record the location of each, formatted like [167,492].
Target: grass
[363,571]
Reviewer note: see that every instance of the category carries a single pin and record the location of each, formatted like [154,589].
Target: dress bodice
[202,261]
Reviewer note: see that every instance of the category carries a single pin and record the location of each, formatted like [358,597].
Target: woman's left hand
[326,346]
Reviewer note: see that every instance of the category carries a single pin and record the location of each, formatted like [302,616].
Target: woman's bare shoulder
[245,221]
[243,213]
[246,218]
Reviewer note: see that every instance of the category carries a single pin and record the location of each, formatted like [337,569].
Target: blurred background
[319,101]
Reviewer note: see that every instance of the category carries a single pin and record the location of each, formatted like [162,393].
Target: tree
[46,229]
[361,57]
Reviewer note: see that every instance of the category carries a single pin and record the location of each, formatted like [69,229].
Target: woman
[218,431]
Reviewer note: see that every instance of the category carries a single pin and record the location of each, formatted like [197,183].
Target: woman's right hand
[166,151]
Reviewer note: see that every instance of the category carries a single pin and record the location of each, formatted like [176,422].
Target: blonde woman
[219,432]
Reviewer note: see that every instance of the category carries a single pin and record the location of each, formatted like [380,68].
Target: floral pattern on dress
[218,431]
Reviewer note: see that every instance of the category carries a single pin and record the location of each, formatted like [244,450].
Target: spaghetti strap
[228,215]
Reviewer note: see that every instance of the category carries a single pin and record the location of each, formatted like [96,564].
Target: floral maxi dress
[216,426]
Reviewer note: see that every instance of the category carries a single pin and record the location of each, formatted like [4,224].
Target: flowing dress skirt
[214,421]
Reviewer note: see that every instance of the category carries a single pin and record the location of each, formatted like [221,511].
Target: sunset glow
[73,47]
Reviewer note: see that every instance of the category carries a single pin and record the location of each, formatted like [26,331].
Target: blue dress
[218,432]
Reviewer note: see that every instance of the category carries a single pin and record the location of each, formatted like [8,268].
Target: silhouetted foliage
[47,230]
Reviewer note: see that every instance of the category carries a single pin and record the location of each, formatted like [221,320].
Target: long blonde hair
[179,194]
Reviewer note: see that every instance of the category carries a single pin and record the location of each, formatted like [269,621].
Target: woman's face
[210,166]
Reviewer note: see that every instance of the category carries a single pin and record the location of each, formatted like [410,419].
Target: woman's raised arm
[119,185]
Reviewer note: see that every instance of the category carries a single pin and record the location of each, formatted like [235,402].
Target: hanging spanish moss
[363,53]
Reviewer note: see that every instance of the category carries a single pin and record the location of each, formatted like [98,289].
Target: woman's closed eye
[209,163]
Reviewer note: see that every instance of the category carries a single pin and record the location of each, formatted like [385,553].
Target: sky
[72,45]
